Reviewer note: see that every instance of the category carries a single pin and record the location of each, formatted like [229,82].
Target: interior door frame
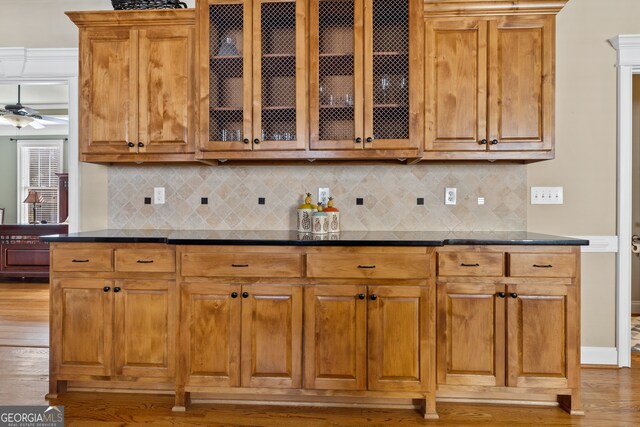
[628,64]
[22,65]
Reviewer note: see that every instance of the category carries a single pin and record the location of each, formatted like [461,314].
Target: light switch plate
[547,196]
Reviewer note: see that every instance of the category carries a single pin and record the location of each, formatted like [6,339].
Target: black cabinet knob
[256,141]
[494,141]
[502,294]
[369,139]
[482,142]
[361,296]
[140,144]
[358,140]
[131,144]
[513,295]
[116,289]
[246,140]
[106,289]
[245,295]
[373,297]
[234,295]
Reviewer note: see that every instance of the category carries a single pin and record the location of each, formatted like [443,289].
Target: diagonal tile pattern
[389,193]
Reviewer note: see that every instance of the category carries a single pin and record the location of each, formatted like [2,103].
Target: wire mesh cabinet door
[225,74]
[336,70]
[279,75]
[393,74]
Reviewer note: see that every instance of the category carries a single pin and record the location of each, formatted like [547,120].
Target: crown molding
[112,18]
[628,47]
[20,62]
[449,8]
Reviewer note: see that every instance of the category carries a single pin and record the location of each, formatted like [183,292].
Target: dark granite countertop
[293,238]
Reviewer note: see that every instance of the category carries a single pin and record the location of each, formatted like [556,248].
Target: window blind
[39,164]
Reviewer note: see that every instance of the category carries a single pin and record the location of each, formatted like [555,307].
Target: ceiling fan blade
[53,120]
[3,112]
[36,125]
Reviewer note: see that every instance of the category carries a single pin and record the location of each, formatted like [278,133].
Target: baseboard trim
[599,356]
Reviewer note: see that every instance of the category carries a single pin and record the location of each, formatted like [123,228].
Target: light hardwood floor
[611,396]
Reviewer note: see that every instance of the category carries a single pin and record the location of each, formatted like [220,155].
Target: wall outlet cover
[450,196]
[158,195]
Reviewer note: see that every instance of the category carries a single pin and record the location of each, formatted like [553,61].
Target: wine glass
[404,90]
[385,82]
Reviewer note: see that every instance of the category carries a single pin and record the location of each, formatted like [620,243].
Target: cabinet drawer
[145,260]
[374,266]
[241,265]
[83,259]
[542,265]
[470,264]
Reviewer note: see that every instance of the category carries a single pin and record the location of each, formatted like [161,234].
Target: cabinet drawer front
[470,264]
[373,266]
[241,265]
[83,260]
[542,265]
[145,260]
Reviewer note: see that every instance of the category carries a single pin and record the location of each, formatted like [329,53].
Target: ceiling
[50,99]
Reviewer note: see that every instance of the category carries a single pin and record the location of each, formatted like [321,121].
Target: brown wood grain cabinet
[111,325]
[499,332]
[137,85]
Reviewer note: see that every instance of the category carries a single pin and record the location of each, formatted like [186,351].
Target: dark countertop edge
[547,242]
[61,238]
[230,242]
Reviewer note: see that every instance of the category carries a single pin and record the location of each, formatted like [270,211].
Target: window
[38,163]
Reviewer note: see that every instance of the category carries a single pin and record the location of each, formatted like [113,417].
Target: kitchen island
[369,318]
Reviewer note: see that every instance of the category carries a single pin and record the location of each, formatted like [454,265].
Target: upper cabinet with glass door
[365,75]
[252,75]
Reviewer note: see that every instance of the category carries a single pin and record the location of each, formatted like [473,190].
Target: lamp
[17,120]
[33,197]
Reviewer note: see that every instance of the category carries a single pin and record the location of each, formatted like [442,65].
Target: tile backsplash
[390,194]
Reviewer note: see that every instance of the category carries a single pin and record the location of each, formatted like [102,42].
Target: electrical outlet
[323,196]
[450,197]
[158,195]
[547,196]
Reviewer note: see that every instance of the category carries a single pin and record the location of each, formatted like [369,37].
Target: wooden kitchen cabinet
[253,75]
[510,329]
[365,77]
[137,85]
[490,80]
[112,321]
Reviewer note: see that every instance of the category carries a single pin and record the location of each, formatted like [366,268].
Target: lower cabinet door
[542,321]
[272,336]
[335,337]
[471,334]
[144,321]
[210,334]
[398,338]
[82,326]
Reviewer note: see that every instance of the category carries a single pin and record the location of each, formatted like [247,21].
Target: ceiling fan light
[18,120]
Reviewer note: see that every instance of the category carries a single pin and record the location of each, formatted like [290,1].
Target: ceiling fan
[20,116]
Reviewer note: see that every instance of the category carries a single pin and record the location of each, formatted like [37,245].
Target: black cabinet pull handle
[358,140]
[513,295]
[366,266]
[502,294]
[131,144]
[494,141]
[369,139]
[145,261]
[373,297]
[234,295]
[470,265]
[106,289]
[482,142]
[542,265]
[245,295]
[361,296]
[256,141]
[116,289]
[140,144]
[239,265]
[79,260]
[246,140]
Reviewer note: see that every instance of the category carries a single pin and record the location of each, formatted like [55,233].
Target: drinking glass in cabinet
[228,47]
[385,82]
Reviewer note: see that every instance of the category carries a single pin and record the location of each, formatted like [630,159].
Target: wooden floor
[611,396]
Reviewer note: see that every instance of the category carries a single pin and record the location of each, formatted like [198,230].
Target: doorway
[635,228]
